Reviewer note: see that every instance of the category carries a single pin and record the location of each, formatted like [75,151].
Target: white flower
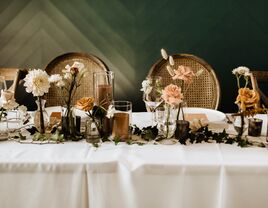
[72,69]
[241,70]
[36,82]
[146,86]
[57,79]
[10,105]
[54,78]
[110,111]
[67,75]
[164,54]
[171,61]
[247,74]
[22,109]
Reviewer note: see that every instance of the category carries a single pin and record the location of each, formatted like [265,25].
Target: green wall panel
[128,35]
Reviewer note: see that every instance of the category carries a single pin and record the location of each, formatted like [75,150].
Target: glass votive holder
[122,120]
[4,133]
[91,132]
[182,129]
[254,127]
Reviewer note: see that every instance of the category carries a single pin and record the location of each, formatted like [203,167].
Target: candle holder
[254,127]
[103,88]
[182,129]
[122,120]
[104,94]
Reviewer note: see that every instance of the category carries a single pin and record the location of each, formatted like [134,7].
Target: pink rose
[172,95]
[184,73]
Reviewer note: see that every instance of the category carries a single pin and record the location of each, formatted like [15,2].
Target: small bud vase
[41,118]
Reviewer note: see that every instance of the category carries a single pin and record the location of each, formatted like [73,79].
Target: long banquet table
[76,174]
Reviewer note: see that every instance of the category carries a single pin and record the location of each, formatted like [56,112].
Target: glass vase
[182,126]
[240,123]
[68,123]
[3,129]
[41,116]
[166,121]
[104,95]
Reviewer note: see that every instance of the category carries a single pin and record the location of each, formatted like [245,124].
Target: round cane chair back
[91,63]
[203,92]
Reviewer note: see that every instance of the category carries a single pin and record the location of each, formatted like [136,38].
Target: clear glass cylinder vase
[166,121]
[104,95]
[103,88]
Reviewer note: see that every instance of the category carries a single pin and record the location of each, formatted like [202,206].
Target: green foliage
[201,135]
[147,133]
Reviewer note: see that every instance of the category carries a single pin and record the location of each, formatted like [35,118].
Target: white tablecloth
[75,174]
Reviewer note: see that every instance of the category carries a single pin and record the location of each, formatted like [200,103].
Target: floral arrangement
[37,83]
[69,82]
[95,112]
[183,73]
[247,99]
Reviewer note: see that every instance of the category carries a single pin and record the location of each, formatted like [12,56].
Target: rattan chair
[11,77]
[92,64]
[260,80]
[203,92]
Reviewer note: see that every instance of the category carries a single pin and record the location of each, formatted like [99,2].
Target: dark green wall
[128,36]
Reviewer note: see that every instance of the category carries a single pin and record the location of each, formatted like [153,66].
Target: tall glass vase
[41,117]
[104,95]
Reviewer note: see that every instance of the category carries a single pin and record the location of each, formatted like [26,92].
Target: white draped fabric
[75,174]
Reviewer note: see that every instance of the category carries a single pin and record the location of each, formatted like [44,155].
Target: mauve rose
[184,73]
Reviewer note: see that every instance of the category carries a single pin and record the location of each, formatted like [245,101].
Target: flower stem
[42,125]
[167,122]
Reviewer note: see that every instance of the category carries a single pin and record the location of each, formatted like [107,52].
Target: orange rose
[85,103]
[247,98]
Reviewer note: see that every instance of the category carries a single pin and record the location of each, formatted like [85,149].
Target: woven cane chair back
[261,83]
[91,63]
[203,92]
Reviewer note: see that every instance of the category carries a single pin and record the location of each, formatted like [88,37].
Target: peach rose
[247,98]
[184,73]
[172,95]
[85,103]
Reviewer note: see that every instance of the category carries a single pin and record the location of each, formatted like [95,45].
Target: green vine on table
[203,134]
[147,133]
[54,135]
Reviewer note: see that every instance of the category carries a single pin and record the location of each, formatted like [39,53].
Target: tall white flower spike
[171,61]
[164,54]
